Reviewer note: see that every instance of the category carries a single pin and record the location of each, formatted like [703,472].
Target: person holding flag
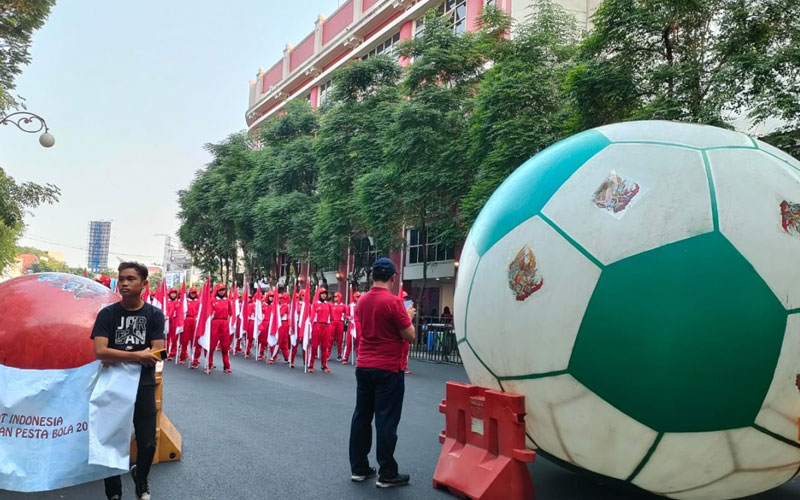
[265,326]
[283,330]
[180,318]
[301,318]
[172,317]
[353,328]
[338,315]
[249,321]
[202,333]
[221,311]
[234,319]
[191,306]
[321,314]
[241,321]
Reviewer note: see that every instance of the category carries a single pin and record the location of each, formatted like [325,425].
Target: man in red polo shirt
[385,324]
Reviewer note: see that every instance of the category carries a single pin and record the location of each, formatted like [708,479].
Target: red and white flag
[292,317]
[242,316]
[275,319]
[203,332]
[307,323]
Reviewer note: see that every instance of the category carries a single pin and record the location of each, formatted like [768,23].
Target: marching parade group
[268,326]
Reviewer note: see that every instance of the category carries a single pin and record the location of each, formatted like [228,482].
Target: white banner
[45,424]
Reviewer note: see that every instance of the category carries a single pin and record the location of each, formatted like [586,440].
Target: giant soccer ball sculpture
[639,283]
[46,320]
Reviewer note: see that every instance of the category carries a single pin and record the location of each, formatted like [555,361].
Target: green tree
[428,138]
[700,61]
[285,185]
[521,103]
[208,221]
[351,144]
[15,199]
[18,20]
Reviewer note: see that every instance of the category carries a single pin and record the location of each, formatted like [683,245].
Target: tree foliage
[15,199]
[424,144]
[18,20]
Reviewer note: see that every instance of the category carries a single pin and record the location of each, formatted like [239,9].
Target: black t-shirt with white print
[131,331]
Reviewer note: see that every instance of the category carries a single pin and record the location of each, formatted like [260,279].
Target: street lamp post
[32,124]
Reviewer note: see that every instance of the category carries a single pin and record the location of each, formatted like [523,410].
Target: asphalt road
[269,432]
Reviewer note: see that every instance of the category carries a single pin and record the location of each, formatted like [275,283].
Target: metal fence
[436,342]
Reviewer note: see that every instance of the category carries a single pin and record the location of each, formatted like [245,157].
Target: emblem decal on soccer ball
[615,194]
[523,277]
[790,217]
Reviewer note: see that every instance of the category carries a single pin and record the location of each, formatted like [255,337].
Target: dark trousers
[379,393]
[144,425]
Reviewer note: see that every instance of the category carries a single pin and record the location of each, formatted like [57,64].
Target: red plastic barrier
[484,455]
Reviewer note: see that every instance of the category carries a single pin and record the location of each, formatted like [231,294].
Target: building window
[490,2]
[364,253]
[324,90]
[436,251]
[283,270]
[455,10]
[388,47]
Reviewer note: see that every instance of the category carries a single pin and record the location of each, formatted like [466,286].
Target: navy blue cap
[384,264]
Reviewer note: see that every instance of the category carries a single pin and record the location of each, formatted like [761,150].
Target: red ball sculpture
[46,320]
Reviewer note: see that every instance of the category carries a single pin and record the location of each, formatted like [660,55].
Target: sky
[132,91]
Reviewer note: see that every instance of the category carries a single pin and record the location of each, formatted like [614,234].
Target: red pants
[172,338]
[186,336]
[239,334]
[263,338]
[249,335]
[349,346]
[338,337]
[220,334]
[297,347]
[283,343]
[320,335]
[198,349]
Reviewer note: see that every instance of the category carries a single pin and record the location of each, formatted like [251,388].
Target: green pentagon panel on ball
[637,283]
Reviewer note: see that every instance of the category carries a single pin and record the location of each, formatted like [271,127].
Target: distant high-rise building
[97,249]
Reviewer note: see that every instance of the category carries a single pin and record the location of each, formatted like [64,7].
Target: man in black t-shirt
[131,331]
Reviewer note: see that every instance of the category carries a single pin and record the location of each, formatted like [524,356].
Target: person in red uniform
[263,328]
[250,321]
[352,324]
[172,315]
[283,330]
[221,310]
[300,328]
[320,331]
[189,323]
[338,315]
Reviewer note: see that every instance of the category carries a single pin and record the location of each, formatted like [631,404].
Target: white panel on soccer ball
[756,195]
[654,196]
[478,374]
[698,136]
[542,396]
[600,438]
[467,263]
[752,449]
[781,407]
[793,162]
[683,461]
[740,484]
[526,276]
